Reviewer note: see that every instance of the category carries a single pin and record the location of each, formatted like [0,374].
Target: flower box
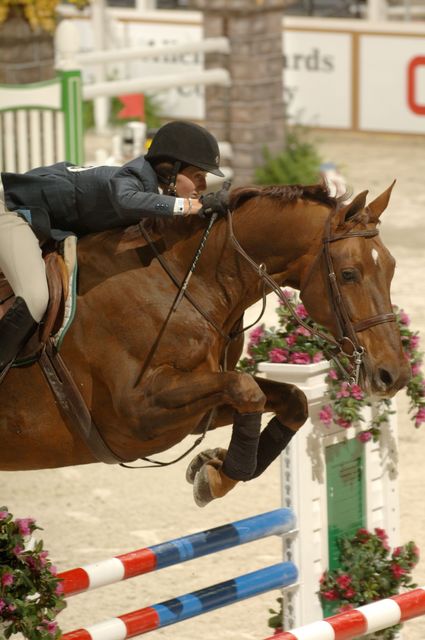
[311,378]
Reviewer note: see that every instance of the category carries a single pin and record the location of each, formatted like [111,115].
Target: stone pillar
[250,113]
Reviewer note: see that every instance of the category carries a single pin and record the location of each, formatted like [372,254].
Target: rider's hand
[217,202]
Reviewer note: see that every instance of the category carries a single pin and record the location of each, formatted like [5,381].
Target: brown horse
[144,400]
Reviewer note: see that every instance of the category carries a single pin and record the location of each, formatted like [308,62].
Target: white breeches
[21,261]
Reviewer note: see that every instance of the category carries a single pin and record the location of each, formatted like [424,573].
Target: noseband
[346,329]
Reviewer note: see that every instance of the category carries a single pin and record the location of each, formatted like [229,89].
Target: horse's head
[346,288]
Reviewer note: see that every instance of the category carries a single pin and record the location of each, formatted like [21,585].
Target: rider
[166,182]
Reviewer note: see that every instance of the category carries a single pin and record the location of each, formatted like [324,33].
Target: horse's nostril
[385,377]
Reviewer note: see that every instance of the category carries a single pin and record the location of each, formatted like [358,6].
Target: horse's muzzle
[387,380]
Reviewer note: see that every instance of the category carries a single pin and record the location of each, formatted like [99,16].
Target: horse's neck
[284,237]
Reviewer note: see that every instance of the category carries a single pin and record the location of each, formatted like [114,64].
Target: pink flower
[291,340]
[397,552]
[343,581]
[7,579]
[59,589]
[416,368]
[420,417]
[302,331]
[344,391]
[345,424]
[300,358]
[53,570]
[397,570]
[326,415]
[333,374]
[301,311]
[2,604]
[278,355]
[404,318]
[17,549]
[349,593]
[364,436]
[256,335]
[31,562]
[43,558]
[356,392]
[288,294]
[24,525]
[381,533]
[363,535]
[414,342]
[4,515]
[51,626]
[330,595]
[318,357]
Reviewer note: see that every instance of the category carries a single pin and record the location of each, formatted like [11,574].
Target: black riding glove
[217,202]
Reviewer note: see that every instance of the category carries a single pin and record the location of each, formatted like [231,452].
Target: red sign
[133,106]
[414,64]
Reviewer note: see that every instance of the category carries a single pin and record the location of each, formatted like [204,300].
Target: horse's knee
[297,410]
[244,394]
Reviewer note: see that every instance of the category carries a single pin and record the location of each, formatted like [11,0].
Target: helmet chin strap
[173,178]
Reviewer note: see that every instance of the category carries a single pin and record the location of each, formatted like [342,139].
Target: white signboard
[317,78]
[180,102]
[392,83]
[321,69]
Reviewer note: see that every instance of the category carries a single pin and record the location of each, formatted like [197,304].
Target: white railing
[209,45]
[68,56]
[119,87]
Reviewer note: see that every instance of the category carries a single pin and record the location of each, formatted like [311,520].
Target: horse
[146,394]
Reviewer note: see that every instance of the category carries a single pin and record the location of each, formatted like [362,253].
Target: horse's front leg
[219,470]
[188,394]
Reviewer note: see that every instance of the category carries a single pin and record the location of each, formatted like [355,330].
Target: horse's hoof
[203,458]
[202,493]
[211,483]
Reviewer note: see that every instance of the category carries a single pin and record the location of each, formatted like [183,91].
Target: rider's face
[191,182]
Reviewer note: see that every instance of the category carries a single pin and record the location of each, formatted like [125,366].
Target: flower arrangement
[368,571]
[30,593]
[294,344]
[39,13]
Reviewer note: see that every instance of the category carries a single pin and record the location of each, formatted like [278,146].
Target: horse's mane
[238,196]
[287,193]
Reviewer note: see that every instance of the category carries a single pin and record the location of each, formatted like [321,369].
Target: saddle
[61,260]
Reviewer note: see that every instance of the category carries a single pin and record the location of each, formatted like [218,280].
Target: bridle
[347,330]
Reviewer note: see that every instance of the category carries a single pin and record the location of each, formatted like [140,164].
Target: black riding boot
[15,328]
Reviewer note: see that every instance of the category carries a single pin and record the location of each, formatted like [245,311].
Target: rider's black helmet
[188,143]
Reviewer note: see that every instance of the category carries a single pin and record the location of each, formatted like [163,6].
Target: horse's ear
[380,203]
[353,207]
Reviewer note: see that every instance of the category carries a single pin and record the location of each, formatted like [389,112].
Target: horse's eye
[349,275]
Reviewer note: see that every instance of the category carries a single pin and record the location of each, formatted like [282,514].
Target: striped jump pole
[189,605]
[363,620]
[175,551]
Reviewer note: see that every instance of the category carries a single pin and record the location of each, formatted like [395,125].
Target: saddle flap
[58,273]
